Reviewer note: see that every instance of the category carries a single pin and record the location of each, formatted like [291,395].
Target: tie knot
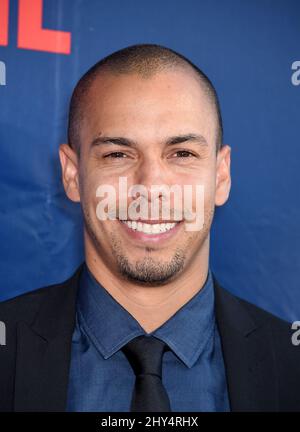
[144,354]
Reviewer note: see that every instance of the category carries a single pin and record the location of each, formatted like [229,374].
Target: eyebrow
[122,141]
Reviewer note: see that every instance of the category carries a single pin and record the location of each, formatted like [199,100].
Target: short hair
[146,60]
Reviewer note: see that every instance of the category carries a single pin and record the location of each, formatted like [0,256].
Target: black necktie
[144,354]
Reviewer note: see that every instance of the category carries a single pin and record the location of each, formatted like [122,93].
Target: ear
[69,164]
[223,177]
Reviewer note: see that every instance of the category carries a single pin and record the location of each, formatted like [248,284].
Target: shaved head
[145,119]
[145,60]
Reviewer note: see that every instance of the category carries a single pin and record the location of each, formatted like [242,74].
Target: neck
[150,306]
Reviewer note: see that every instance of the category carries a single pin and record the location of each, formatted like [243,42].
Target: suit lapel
[44,351]
[248,355]
[41,371]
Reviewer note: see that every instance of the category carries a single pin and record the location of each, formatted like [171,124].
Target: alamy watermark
[296,335]
[2,73]
[2,333]
[295,78]
[187,203]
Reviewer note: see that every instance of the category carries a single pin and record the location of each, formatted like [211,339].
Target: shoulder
[239,305]
[256,339]
[280,333]
[47,310]
[25,306]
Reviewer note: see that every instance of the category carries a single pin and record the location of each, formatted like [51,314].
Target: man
[143,324]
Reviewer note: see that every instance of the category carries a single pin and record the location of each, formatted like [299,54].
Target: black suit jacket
[262,365]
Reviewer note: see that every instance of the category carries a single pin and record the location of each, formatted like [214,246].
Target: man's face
[155,131]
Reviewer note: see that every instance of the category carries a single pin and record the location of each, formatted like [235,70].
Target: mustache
[164,213]
[158,207]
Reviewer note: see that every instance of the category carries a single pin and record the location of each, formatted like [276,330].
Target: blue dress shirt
[101,378]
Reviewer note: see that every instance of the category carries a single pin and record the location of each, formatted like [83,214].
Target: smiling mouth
[150,227]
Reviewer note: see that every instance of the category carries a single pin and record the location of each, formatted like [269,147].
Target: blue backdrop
[248,49]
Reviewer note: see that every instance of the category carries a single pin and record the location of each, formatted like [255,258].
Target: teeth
[149,228]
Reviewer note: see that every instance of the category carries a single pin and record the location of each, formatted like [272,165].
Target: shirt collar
[110,326]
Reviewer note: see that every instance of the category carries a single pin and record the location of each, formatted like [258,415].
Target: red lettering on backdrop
[4,22]
[31,35]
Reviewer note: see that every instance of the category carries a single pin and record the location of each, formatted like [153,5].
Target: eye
[184,153]
[117,155]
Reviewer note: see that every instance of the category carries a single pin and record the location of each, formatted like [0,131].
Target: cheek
[202,186]
[93,187]
[209,182]
[203,203]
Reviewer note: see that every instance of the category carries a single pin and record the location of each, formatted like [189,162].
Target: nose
[155,178]
[152,171]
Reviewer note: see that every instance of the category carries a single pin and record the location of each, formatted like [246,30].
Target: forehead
[165,103]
